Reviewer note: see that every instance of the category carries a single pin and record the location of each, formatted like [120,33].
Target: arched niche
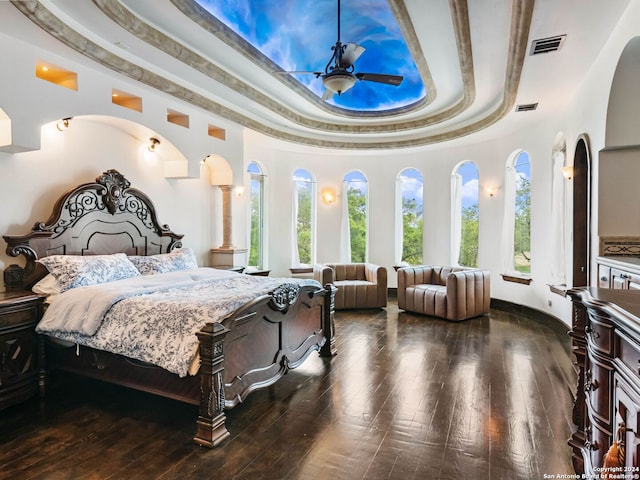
[619,161]
[623,111]
[220,172]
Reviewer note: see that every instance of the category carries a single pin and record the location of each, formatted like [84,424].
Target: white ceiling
[473,53]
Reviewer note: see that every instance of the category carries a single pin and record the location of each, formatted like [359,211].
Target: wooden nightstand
[19,314]
[258,273]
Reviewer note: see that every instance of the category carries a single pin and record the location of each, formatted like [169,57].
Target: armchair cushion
[454,293]
[360,285]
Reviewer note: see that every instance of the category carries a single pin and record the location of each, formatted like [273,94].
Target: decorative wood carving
[285,295]
[107,216]
[115,184]
[619,246]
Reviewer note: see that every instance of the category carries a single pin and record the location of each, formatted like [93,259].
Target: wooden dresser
[606,344]
[19,313]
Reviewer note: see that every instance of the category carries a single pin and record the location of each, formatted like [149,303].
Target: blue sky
[469,173]
[299,34]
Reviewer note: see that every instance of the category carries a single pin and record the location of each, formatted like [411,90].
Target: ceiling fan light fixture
[339,82]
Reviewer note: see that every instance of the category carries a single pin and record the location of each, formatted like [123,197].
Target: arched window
[558,193]
[517,218]
[256,216]
[355,218]
[409,222]
[304,213]
[464,215]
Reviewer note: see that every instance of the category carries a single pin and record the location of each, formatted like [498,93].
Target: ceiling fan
[339,74]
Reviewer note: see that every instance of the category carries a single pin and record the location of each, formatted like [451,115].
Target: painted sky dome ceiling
[298,35]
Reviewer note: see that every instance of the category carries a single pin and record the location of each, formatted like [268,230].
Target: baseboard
[548,320]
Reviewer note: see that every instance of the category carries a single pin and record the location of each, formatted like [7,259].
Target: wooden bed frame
[250,349]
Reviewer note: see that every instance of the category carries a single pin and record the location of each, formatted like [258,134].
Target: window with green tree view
[522,220]
[465,215]
[304,218]
[256,215]
[410,207]
[356,187]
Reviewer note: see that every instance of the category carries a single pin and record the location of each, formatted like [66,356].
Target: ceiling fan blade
[394,80]
[351,53]
[327,94]
[299,72]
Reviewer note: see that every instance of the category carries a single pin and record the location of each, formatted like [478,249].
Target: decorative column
[227,256]
[227,227]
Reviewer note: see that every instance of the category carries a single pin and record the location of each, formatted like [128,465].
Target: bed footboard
[257,345]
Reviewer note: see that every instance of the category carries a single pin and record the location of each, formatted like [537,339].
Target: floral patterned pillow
[179,259]
[73,271]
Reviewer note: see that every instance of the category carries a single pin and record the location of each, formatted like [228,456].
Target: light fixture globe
[338,81]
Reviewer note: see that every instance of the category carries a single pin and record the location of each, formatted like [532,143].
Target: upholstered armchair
[454,293]
[360,285]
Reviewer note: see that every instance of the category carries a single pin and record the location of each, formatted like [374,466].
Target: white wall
[32,181]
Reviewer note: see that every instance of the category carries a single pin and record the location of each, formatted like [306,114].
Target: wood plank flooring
[407,397]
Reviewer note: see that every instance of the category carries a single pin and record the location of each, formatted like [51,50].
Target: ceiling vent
[526,107]
[546,45]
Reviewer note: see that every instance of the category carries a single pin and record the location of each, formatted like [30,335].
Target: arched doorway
[581,212]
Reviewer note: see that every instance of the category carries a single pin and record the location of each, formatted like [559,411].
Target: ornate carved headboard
[99,218]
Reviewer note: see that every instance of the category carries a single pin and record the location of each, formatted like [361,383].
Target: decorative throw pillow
[73,271]
[179,259]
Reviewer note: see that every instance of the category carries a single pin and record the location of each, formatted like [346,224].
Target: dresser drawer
[624,279]
[598,387]
[628,353]
[604,276]
[599,335]
[597,442]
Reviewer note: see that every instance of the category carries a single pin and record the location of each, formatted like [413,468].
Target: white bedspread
[152,318]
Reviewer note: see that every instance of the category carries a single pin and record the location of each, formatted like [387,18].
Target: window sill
[559,289]
[299,270]
[516,279]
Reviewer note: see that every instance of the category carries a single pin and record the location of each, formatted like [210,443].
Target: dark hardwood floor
[407,397]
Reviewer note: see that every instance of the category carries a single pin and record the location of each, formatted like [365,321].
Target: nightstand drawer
[18,316]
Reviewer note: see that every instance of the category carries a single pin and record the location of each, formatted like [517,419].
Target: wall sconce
[63,124]
[152,144]
[239,190]
[328,196]
[491,190]
[567,172]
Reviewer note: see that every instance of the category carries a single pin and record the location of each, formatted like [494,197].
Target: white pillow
[73,271]
[47,286]
[179,259]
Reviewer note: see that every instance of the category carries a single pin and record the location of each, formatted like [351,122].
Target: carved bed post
[329,347]
[42,368]
[211,428]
